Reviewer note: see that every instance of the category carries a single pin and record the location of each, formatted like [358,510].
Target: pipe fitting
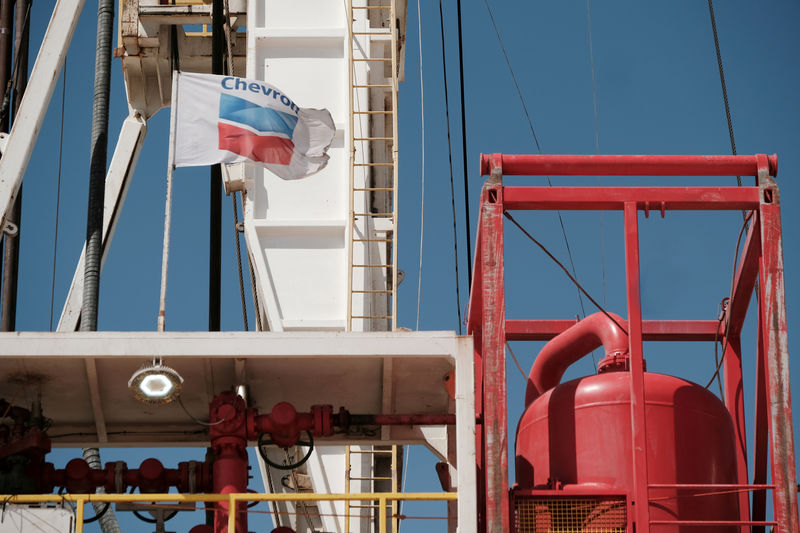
[571,345]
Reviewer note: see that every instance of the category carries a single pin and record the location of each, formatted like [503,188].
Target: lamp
[155,383]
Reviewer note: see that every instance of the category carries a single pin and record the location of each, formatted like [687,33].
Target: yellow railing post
[232,513]
[79,515]
[382,517]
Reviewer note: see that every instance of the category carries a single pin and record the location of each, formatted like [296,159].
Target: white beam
[236,344]
[123,164]
[30,115]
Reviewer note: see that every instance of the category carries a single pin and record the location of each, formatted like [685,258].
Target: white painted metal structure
[324,247]
[26,519]
[306,239]
[304,368]
[311,240]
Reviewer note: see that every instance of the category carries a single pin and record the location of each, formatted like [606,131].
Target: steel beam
[33,108]
[493,352]
[123,164]
[761,432]
[744,280]
[776,351]
[658,199]
[652,330]
[638,419]
[627,165]
[734,401]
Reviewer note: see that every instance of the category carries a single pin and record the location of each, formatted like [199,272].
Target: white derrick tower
[323,249]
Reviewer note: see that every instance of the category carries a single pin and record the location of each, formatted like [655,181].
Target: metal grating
[574,514]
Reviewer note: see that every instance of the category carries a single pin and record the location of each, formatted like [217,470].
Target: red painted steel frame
[761,258]
[627,165]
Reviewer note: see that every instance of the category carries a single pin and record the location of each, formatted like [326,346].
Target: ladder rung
[373,86]
[383,478]
[379,31]
[373,164]
[372,58]
[373,138]
[378,215]
[376,291]
[361,189]
[372,240]
[370,316]
[373,506]
[372,266]
[373,112]
[371,7]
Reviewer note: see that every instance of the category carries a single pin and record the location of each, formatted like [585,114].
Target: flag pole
[168,202]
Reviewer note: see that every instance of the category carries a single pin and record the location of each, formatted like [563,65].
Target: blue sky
[658,91]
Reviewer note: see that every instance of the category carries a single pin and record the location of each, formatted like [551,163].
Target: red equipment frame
[761,259]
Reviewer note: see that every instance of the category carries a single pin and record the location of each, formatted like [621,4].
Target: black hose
[99,515]
[143,518]
[97,166]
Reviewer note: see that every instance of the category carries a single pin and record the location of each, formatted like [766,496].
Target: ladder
[378,483]
[372,218]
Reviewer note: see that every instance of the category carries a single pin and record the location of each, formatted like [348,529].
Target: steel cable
[570,276]
[58,193]
[464,147]
[450,161]
[724,85]
[422,186]
[536,141]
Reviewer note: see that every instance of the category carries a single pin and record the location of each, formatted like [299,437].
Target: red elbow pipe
[557,355]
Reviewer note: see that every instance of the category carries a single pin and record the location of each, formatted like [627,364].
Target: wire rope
[538,145]
[232,72]
[450,162]
[58,193]
[724,86]
[596,121]
[516,361]
[422,164]
[239,259]
[596,143]
[561,265]
[464,147]
[725,314]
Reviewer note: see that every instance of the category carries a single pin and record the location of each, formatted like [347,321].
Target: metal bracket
[10,229]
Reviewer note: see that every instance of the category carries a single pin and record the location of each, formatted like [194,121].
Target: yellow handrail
[232,499]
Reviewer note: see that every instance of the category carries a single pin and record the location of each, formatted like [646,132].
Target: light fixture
[155,383]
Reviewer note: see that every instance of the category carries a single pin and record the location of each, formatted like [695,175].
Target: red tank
[579,433]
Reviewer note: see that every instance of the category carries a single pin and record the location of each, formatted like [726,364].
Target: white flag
[225,119]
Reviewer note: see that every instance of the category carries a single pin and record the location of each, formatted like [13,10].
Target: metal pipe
[97,169]
[6,18]
[402,420]
[94,220]
[12,242]
[626,165]
[108,521]
[557,355]
[6,33]
[215,184]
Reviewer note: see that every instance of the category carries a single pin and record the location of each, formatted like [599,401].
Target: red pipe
[628,165]
[589,334]
[410,420]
